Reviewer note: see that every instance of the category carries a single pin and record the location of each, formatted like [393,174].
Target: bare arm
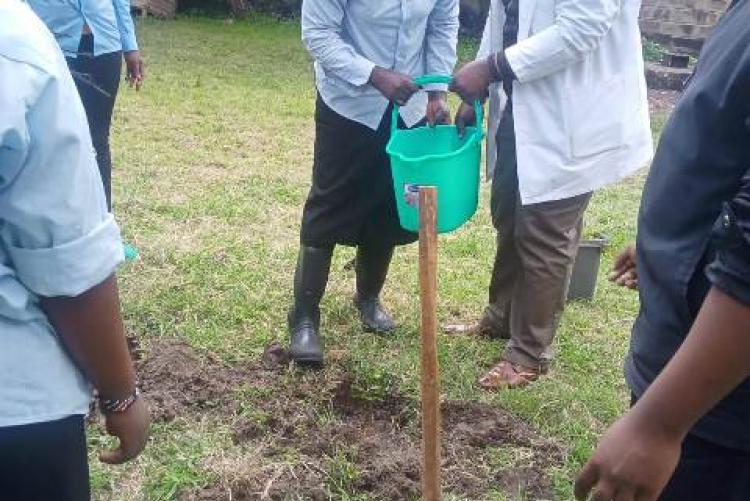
[639,453]
[91,328]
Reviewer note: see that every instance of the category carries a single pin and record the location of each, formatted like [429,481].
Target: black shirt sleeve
[500,70]
[730,270]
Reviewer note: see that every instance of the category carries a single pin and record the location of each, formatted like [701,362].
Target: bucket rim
[476,138]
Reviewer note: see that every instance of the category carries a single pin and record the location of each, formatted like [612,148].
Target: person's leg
[709,472]
[503,206]
[98,80]
[310,280]
[44,461]
[106,72]
[381,229]
[327,220]
[372,263]
[547,237]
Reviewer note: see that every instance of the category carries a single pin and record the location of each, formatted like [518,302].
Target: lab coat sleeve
[321,34]
[578,29]
[441,41]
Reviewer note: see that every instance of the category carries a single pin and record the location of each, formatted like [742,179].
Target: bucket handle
[436,79]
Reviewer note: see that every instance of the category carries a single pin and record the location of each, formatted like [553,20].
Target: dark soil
[340,443]
[176,380]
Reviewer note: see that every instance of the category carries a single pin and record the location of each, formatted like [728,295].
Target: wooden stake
[430,370]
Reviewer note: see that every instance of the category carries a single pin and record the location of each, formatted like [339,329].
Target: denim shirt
[348,38]
[109,21]
[56,235]
[694,224]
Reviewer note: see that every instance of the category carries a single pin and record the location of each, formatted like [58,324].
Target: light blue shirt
[109,21]
[348,38]
[56,235]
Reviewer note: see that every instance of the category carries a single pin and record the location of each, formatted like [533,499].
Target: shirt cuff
[360,70]
[500,69]
[72,268]
[506,72]
[129,43]
[730,270]
[435,87]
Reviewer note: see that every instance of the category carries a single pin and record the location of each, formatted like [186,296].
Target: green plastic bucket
[436,156]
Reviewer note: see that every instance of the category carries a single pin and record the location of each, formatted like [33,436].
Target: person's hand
[465,117]
[437,109]
[633,462]
[625,272]
[135,68]
[131,427]
[472,82]
[396,87]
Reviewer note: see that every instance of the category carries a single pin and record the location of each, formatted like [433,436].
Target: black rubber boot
[310,279]
[372,268]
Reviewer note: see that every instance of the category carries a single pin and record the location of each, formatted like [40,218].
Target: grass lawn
[212,166]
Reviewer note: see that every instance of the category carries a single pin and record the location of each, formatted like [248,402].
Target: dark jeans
[709,472]
[44,462]
[98,79]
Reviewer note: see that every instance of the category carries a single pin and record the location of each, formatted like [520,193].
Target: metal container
[586,269]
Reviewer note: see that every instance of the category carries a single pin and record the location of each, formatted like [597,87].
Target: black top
[694,224]
[510,38]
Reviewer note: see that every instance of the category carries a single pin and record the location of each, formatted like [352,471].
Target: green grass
[212,165]
[653,52]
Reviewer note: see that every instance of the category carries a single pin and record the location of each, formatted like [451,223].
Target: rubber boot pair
[310,280]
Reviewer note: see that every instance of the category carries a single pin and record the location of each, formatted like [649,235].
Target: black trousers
[44,462]
[709,472]
[352,201]
[98,79]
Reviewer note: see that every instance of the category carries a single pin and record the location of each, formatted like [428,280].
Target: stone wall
[680,25]
[159,8]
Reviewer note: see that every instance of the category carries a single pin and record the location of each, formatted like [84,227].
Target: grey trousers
[536,248]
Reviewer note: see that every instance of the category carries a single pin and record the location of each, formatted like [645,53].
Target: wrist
[120,404]
[117,388]
[375,74]
[655,421]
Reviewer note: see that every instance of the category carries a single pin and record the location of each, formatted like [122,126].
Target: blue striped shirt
[109,21]
[56,236]
[348,38]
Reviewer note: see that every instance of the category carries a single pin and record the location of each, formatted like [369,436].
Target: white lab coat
[580,103]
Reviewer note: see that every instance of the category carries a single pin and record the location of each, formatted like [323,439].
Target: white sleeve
[578,29]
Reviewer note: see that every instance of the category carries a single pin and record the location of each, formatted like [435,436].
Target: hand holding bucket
[436,156]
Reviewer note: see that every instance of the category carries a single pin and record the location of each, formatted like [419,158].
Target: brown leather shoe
[507,375]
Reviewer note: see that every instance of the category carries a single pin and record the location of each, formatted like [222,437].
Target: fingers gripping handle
[434,79]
